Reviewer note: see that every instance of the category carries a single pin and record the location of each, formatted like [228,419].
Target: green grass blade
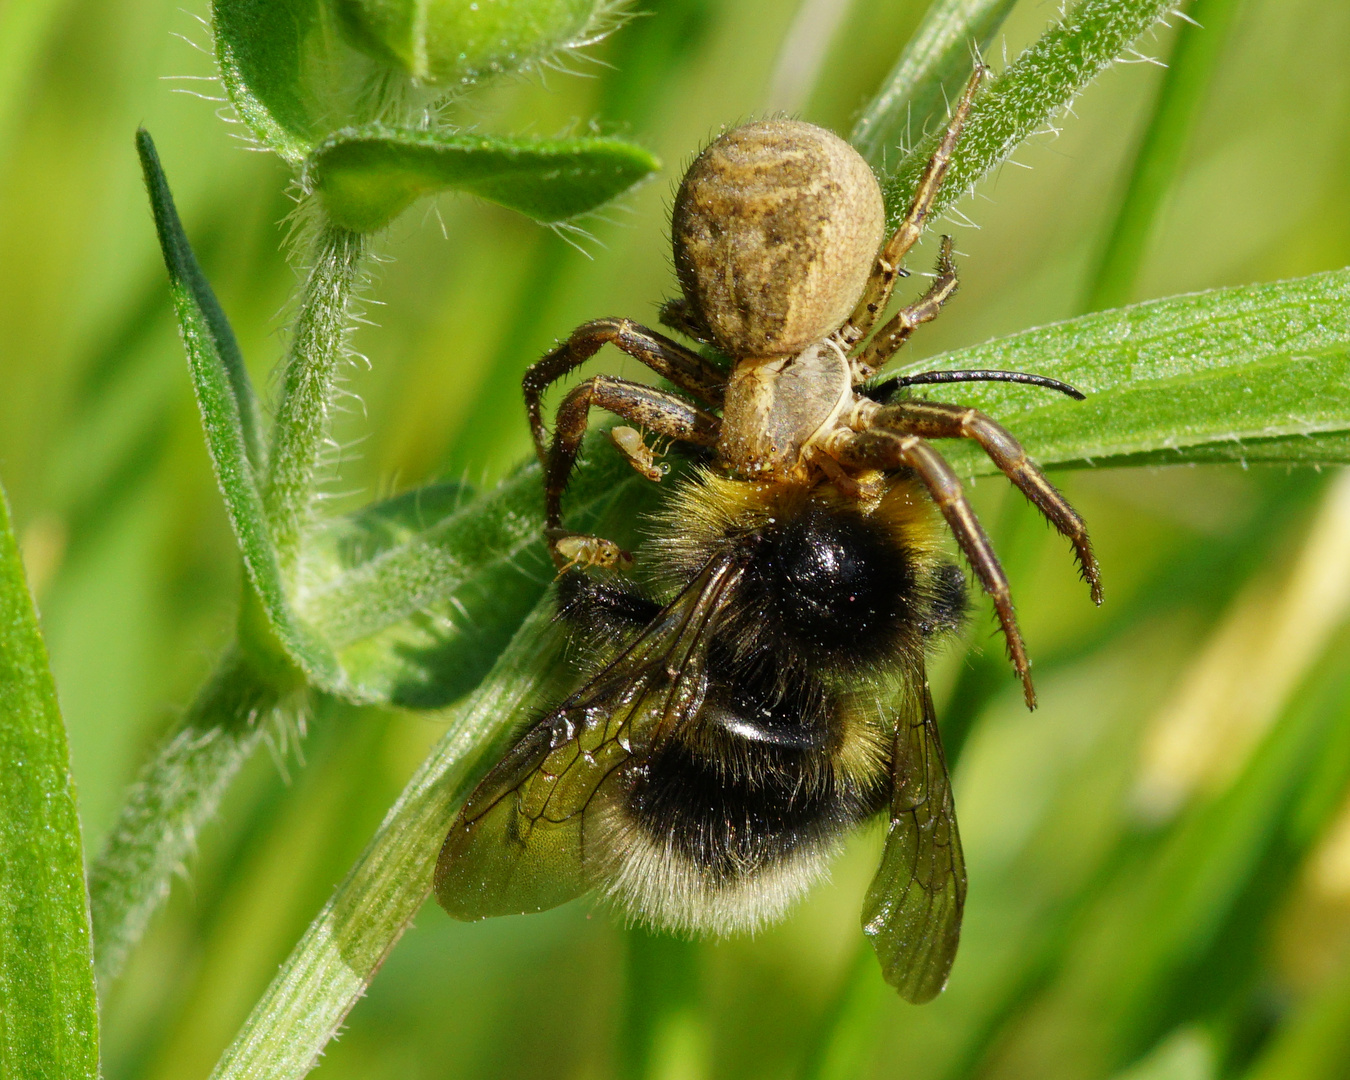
[1147,958]
[221,387]
[1189,71]
[368,176]
[335,960]
[1314,1042]
[48,1008]
[930,72]
[1019,102]
[1188,378]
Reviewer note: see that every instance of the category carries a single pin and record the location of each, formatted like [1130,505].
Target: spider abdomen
[776,227]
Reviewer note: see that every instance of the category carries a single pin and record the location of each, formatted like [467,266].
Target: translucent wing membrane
[528,838]
[912,912]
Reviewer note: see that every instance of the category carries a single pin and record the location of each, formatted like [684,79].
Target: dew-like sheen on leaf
[368,176]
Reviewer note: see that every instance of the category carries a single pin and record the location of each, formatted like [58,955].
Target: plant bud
[443,42]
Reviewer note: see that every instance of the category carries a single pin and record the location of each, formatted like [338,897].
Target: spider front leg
[934,420]
[877,293]
[884,449]
[896,332]
[653,409]
[686,369]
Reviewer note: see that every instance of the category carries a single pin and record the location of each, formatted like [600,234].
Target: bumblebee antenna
[922,377]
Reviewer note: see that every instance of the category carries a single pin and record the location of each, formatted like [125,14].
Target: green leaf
[368,176]
[260,47]
[331,966]
[929,74]
[296,71]
[308,380]
[49,1013]
[287,71]
[451,42]
[419,594]
[1253,373]
[229,419]
[1040,83]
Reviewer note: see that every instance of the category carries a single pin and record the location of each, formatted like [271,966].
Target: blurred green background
[1159,856]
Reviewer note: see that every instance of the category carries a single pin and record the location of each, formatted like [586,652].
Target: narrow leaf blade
[332,965]
[225,400]
[1020,101]
[49,1022]
[368,176]
[930,72]
[1253,373]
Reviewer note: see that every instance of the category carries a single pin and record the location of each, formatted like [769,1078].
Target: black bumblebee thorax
[827,588]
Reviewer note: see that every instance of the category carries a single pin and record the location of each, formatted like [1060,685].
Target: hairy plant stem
[176,793]
[307,380]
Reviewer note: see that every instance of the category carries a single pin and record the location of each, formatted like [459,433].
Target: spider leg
[877,292]
[934,420]
[686,369]
[680,316]
[646,406]
[896,332]
[884,448]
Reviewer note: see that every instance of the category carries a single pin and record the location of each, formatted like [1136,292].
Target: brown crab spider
[777,233]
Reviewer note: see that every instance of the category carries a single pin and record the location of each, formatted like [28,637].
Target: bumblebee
[764,693]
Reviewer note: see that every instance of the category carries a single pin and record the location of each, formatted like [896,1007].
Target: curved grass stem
[177,792]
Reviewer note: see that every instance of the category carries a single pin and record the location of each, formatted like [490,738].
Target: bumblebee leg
[686,369]
[653,409]
[934,420]
[877,292]
[925,309]
[882,448]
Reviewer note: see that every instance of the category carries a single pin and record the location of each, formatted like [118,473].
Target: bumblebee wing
[521,841]
[913,908]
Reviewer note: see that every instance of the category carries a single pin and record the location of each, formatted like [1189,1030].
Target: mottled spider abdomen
[776,228]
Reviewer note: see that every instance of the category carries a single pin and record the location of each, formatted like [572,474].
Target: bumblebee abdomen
[732,817]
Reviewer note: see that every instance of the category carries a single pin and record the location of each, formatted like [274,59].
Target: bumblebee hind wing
[531,836]
[912,912]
